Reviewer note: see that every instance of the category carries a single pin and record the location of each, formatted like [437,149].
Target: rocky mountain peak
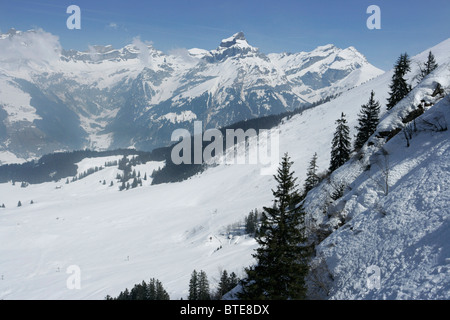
[237,38]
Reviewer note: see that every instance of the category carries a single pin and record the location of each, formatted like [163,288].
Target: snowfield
[405,233]
[118,239]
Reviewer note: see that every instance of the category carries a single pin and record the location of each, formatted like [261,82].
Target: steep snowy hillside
[396,232]
[166,231]
[389,231]
[55,99]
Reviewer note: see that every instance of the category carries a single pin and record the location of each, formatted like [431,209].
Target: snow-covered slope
[55,99]
[121,238]
[316,70]
[389,232]
[166,231]
[400,230]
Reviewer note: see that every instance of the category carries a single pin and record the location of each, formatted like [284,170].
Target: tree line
[199,288]
[60,165]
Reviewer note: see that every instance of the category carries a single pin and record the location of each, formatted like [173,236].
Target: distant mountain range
[53,99]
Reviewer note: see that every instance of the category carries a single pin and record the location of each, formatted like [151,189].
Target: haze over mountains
[55,99]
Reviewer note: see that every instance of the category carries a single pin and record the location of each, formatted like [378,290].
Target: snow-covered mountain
[166,231]
[55,99]
[388,233]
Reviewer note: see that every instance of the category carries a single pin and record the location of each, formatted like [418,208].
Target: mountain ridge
[136,96]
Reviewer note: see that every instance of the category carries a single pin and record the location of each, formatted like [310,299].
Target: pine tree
[282,255]
[399,87]
[251,222]
[161,293]
[193,286]
[340,149]
[135,183]
[226,283]
[156,291]
[203,286]
[223,284]
[233,281]
[312,179]
[125,295]
[199,286]
[368,121]
[151,290]
[139,292]
[19,204]
[429,66]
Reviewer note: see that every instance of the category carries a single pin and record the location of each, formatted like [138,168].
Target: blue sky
[273,26]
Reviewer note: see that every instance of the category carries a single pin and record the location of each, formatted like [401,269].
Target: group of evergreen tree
[251,222]
[134,184]
[368,117]
[399,86]
[199,286]
[226,284]
[153,290]
[126,165]
[113,163]
[84,174]
[19,204]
